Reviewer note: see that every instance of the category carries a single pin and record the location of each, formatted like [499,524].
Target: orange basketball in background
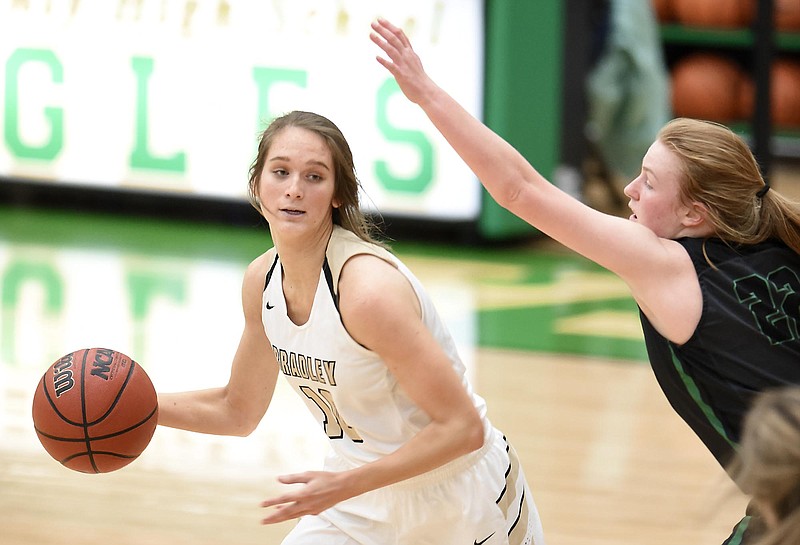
[663,10]
[784,94]
[787,15]
[706,86]
[715,13]
[95,410]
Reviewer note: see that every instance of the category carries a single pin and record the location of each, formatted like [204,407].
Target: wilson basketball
[95,410]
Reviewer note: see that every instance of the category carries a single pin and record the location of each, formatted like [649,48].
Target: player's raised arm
[628,248]
[499,166]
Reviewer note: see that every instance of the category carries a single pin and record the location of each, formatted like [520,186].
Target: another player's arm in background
[236,408]
[627,248]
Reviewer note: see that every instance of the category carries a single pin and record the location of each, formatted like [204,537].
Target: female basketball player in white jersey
[414,459]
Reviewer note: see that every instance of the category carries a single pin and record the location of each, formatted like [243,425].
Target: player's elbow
[509,197]
[472,433]
[243,428]
[476,437]
[243,418]
[245,421]
[520,191]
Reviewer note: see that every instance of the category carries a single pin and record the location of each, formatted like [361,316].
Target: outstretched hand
[403,62]
[321,490]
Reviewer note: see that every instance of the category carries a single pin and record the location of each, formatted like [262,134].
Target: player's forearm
[502,170]
[434,446]
[202,411]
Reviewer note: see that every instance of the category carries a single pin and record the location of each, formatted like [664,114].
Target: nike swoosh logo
[481,542]
[270,307]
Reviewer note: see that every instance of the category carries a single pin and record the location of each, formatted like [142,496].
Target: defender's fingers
[396,31]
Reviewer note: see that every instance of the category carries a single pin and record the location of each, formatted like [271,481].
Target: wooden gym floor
[552,342]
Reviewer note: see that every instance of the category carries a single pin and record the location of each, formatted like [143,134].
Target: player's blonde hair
[767,466]
[721,172]
[346,185]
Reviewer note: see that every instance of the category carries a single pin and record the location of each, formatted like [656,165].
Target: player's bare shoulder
[368,283]
[257,269]
[367,273]
[377,301]
[253,282]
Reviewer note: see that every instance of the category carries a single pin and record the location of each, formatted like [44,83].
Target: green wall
[522,95]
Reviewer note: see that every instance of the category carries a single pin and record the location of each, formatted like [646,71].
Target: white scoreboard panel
[169,96]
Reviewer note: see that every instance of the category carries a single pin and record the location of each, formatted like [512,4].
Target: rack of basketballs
[708,47]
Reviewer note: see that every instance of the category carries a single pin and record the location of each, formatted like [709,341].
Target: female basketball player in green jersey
[709,253]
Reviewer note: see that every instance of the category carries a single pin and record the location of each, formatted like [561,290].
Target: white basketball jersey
[348,388]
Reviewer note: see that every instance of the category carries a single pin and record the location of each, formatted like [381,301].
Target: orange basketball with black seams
[95,410]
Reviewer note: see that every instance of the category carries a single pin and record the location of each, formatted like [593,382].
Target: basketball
[663,10]
[706,86]
[715,13]
[95,410]
[784,94]
[787,15]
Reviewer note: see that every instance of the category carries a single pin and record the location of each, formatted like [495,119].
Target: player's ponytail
[721,172]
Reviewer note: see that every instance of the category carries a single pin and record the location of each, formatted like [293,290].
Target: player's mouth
[292,212]
[633,216]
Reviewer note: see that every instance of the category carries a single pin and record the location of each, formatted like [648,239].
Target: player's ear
[696,215]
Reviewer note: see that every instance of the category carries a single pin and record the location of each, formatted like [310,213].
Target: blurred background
[128,130]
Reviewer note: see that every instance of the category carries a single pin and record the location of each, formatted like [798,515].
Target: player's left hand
[321,490]
[403,63]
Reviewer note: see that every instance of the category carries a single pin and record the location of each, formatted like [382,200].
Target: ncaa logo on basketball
[62,375]
[101,366]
